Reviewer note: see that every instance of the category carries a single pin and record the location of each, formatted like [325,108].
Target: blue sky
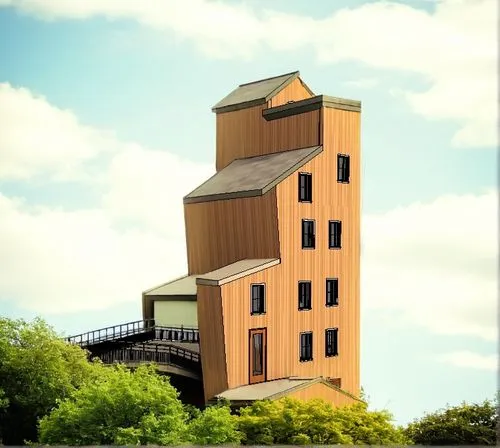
[105,124]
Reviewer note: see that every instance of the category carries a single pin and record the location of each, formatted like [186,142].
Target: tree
[215,426]
[466,424]
[291,421]
[36,369]
[122,407]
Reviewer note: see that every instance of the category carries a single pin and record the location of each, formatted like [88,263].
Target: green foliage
[121,407]
[291,421]
[36,369]
[215,426]
[467,424]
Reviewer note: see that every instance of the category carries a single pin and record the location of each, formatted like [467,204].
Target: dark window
[332,291]
[305,187]
[334,234]
[306,346]
[257,354]
[331,342]
[343,168]
[258,299]
[308,234]
[305,296]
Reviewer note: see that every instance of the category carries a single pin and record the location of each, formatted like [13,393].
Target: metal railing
[177,334]
[170,355]
[113,332]
[117,332]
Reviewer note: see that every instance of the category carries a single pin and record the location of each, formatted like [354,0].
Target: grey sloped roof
[236,270]
[255,93]
[253,176]
[183,286]
[262,391]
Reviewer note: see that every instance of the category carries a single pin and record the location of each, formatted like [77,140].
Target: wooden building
[273,248]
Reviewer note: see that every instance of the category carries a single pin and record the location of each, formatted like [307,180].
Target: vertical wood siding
[245,133]
[219,233]
[295,91]
[331,201]
[319,390]
[212,347]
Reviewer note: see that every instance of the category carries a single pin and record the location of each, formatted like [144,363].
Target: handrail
[151,353]
[113,332]
[175,334]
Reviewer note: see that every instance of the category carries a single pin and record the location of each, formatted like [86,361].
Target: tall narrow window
[343,168]
[332,291]
[305,296]
[305,187]
[306,346]
[308,234]
[331,342]
[258,299]
[334,234]
[257,354]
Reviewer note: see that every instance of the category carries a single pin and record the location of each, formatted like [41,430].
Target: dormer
[273,92]
[242,130]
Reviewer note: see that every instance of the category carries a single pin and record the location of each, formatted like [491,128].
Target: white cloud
[40,139]
[56,261]
[471,360]
[453,47]
[436,263]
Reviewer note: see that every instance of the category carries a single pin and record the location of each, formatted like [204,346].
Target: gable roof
[276,389]
[256,92]
[182,286]
[234,271]
[253,176]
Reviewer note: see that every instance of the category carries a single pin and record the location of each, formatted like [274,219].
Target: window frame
[257,313]
[335,340]
[299,295]
[335,289]
[307,188]
[331,240]
[341,173]
[313,221]
[311,347]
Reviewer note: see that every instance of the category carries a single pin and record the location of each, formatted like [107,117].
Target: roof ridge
[296,72]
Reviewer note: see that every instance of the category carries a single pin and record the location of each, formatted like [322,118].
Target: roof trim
[292,76]
[205,279]
[164,284]
[310,104]
[321,380]
[259,191]
[296,388]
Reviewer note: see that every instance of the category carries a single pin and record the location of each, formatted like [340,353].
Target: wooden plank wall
[331,201]
[320,390]
[295,91]
[212,347]
[219,233]
[245,133]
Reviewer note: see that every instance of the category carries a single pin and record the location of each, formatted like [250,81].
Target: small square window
[331,342]
[343,168]
[306,346]
[258,299]
[305,187]
[305,302]
[308,234]
[334,234]
[332,291]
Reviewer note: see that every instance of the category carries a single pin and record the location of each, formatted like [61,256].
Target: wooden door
[258,355]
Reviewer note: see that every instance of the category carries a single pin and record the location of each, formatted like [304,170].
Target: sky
[106,123]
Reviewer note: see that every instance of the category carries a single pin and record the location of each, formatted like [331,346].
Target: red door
[258,355]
